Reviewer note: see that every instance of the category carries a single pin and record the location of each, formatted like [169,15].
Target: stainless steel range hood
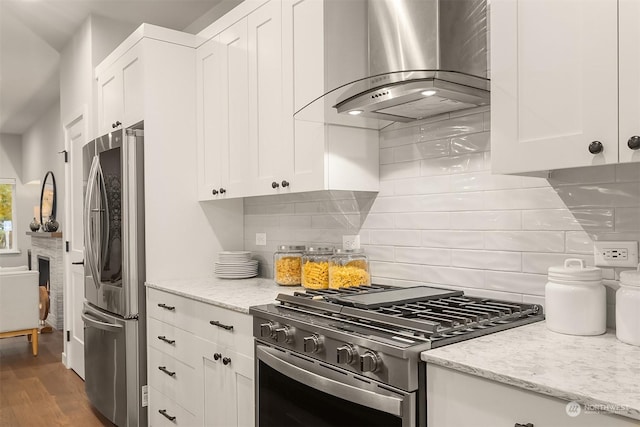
[426,57]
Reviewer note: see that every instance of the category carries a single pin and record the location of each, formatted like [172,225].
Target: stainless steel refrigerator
[114,309]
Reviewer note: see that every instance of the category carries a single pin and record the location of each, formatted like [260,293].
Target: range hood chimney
[426,57]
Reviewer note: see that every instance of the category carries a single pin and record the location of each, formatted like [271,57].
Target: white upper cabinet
[249,142]
[557,100]
[120,93]
[629,69]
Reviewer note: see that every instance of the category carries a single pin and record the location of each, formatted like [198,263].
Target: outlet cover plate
[351,241]
[616,254]
[261,239]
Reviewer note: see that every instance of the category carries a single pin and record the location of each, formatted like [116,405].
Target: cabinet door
[629,52]
[303,67]
[553,84]
[120,92]
[228,388]
[235,77]
[270,154]
[212,119]
[110,97]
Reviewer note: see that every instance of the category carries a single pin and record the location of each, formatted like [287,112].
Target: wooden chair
[19,301]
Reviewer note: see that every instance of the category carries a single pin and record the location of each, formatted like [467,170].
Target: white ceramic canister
[628,307]
[575,299]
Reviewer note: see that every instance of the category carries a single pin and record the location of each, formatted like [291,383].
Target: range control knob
[370,362]
[346,354]
[312,344]
[284,334]
[267,330]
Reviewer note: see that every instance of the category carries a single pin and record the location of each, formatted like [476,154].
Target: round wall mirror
[48,198]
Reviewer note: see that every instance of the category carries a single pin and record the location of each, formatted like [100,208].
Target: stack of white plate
[235,265]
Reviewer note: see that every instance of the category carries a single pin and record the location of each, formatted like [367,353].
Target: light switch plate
[616,254]
[261,239]
[351,241]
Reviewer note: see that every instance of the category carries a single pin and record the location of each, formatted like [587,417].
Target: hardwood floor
[40,391]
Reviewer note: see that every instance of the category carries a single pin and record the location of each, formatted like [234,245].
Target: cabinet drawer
[174,379]
[159,404]
[223,326]
[172,341]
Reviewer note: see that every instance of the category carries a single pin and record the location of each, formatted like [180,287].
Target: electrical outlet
[351,241]
[616,254]
[261,239]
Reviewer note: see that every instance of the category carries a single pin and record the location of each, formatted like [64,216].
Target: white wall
[442,218]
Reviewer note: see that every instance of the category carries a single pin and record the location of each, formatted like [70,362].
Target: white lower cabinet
[457,399]
[199,363]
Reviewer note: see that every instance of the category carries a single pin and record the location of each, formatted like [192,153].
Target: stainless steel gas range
[351,357]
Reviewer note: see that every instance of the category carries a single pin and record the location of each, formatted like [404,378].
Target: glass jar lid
[291,248]
[349,251]
[319,249]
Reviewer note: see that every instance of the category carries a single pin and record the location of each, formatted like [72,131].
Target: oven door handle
[388,404]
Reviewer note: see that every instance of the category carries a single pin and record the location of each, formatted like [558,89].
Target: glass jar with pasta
[315,267]
[348,268]
[287,265]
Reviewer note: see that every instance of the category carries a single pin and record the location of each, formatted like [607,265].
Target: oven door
[294,390]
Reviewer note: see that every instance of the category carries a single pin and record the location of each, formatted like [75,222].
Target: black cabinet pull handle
[167,416]
[285,183]
[634,142]
[596,147]
[217,356]
[222,191]
[220,325]
[275,185]
[78,263]
[523,425]
[165,306]
[214,191]
[163,338]
[166,371]
[226,360]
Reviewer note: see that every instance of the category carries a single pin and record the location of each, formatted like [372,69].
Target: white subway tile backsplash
[399,170]
[453,239]
[525,241]
[539,263]
[452,165]
[428,256]
[422,150]
[470,143]
[394,237]
[486,220]
[423,221]
[442,218]
[489,260]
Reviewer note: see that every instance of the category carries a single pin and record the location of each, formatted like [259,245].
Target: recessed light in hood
[426,57]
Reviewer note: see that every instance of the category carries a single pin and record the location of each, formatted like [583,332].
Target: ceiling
[33,34]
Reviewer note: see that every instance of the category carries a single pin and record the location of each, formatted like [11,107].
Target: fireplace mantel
[45,234]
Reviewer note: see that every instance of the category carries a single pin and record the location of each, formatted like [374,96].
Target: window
[7,215]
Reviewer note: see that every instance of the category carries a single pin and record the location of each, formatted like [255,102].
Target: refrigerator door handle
[95,323]
[89,237]
[104,225]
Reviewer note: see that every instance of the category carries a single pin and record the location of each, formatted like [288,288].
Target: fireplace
[48,256]
[44,278]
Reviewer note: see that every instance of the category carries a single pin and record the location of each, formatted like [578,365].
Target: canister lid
[319,249]
[630,277]
[574,269]
[291,248]
[349,251]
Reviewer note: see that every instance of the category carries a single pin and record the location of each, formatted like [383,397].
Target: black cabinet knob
[217,356]
[595,147]
[275,185]
[222,191]
[285,183]
[634,142]
[116,124]
[214,191]
[226,360]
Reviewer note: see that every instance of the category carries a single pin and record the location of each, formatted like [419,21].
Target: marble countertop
[597,370]
[236,294]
